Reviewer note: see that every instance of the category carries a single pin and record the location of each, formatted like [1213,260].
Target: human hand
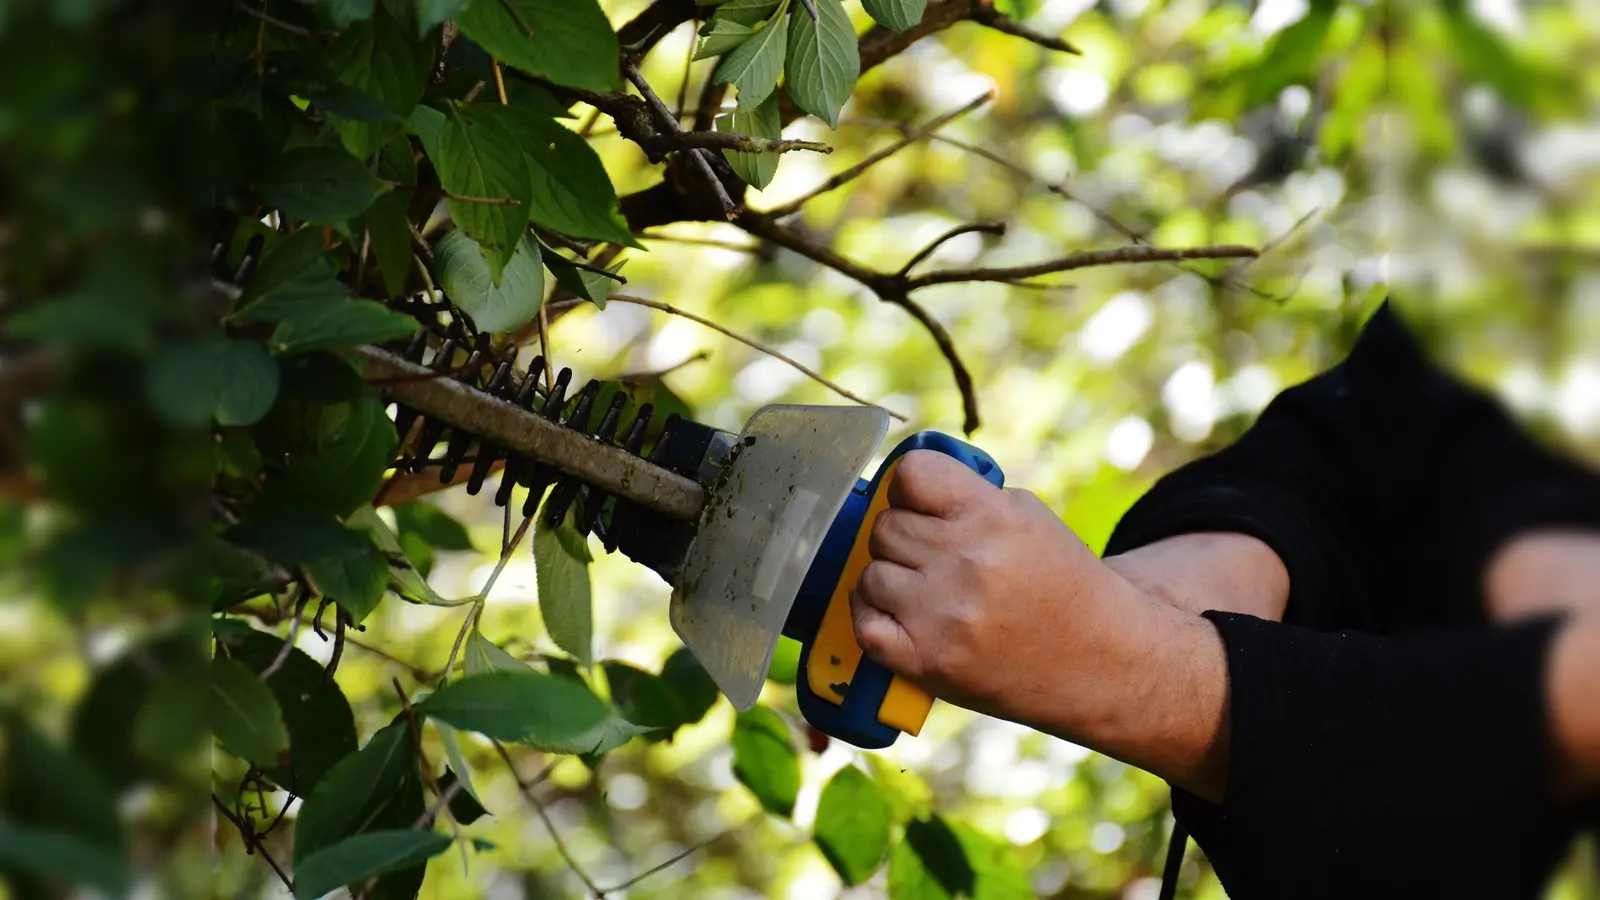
[988,600]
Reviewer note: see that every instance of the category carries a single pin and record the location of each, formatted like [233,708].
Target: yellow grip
[831,665]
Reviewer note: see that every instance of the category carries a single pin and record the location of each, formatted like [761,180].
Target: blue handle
[855,721]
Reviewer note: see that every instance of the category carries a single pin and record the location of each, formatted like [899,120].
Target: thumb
[882,637]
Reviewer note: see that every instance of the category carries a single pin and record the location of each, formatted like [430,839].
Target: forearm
[1573,695]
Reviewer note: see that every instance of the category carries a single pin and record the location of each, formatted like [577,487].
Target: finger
[882,637]
[889,587]
[908,538]
[933,483]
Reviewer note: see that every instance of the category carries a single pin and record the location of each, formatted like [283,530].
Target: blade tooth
[509,476]
[432,429]
[641,423]
[581,409]
[460,440]
[555,509]
[590,500]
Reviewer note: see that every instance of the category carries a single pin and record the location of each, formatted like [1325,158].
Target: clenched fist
[987,599]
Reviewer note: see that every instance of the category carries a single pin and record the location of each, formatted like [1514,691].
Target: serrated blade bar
[599,464]
[761,527]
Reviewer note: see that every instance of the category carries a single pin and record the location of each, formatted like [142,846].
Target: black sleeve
[1377,472]
[1362,766]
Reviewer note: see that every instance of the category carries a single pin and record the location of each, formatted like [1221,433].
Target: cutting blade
[790,473]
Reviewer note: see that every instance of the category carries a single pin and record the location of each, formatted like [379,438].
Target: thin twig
[339,618]
[414,670]
[499,81]
[288,645]
[361,263]
[855,171]
[658,374]
[461,635]
[252,842]
[988,15]
[749,342]
[487,201]
[682,855]
[701,242]
[290,27]
[669,123]
[555,835]
[545,350]
[1115,255]
[996,228]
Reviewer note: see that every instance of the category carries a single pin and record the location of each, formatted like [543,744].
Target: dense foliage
[210,522]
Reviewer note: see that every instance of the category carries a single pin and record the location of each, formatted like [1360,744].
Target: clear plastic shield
[794,467]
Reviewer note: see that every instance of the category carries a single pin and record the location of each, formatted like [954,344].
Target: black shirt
[1386,741]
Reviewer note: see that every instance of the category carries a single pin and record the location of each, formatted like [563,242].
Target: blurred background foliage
[1444,153]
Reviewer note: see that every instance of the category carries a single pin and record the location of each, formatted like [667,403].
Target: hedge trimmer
[761,534]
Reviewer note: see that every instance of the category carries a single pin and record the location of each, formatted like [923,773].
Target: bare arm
[1028,624]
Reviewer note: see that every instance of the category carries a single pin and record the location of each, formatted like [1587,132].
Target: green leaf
[52,789]
[464,807]
[754,66]
[344,471]
[294,537]
[363,856]
[571,192]
[561,568]
[765,121]
[823,61]
[939,860]
[391,241]
[765,761]
[381,59]
[483,655]
[697,693]
[591,286]
[346,12]
[568,41]
[644,698]
[432,524]
[232,381]
[1292,56]
[245,716]
[355,582]
[541,711]
[404,580]
[496,304]
[745,12]
[171,724]
[105,720]
[451,740]
[721,35]
[247,383]
[65,859]
[432,12]
[321,185]
[356,790]
[428,124]
[477,158]
[347,323]
[852,826]
[895,15]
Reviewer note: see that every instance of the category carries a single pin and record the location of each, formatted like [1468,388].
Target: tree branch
[988,15]
[670,125]
[555,836]
[1135,254]
[846,176]
[748,342]
[995,228]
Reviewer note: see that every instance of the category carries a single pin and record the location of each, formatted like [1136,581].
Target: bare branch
[855,171]
[1115,255]
[252,842]
[290,27]
[641,33]
[723,140]
[988,15]
[702,242]
[996,228]
[751,343]
[555,835]
[669,123]
[889,288]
